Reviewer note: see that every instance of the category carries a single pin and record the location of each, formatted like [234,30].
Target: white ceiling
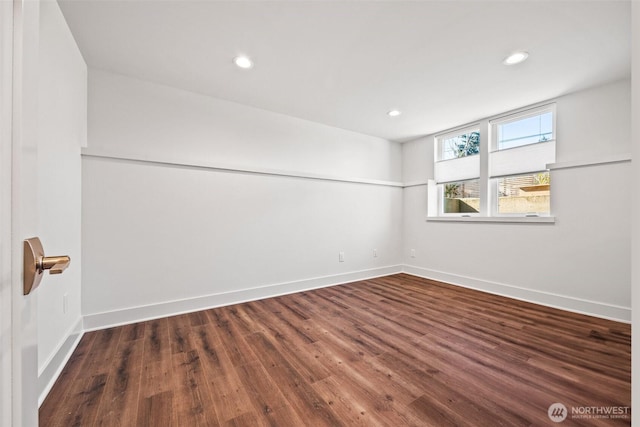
[346,63]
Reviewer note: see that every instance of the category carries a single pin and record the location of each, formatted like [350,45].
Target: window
[461,197]
[522,145]
[457,171]
[460,145]
[524,194]
[504,176]
[523,131]
[458,156]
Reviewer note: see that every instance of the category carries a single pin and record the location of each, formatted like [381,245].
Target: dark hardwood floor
[394,351]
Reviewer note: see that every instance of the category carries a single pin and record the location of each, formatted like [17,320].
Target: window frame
[441,211]
[438,154]
[439,138]
[488,130]
[517,115]
[514,116]
[493,184]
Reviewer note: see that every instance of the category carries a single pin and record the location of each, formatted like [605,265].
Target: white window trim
[440,208]
[488,186]
[515,116]
[437,138]
[438,189]
[495,219]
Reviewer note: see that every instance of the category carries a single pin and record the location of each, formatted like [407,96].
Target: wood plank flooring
[393,351]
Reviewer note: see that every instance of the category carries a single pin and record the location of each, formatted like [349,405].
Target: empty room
[317,213]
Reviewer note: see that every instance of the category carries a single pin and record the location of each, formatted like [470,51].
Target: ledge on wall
[616,158]
[233,168]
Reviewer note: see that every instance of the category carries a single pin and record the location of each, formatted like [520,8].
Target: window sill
[497,219]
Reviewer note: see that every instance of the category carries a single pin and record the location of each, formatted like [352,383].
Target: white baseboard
[52,368]
[563,302]
[171,308]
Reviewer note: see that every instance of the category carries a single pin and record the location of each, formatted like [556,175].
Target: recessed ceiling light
[515,58]
[394,113]
[243,62]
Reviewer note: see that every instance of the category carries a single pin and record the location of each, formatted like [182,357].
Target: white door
[6,40]
[42,127]
[19,33]
[43,121]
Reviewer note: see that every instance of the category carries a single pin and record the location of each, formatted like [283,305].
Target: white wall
[181,236]
[582,261]
[131,117]
[62,124]
[635,250]
[155,234]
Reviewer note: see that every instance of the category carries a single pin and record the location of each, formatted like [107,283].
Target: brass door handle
[35,263]
[55,264]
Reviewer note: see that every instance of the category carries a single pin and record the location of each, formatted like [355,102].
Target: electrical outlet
[375,253]
[413,253]
[65,303]
[341,257]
